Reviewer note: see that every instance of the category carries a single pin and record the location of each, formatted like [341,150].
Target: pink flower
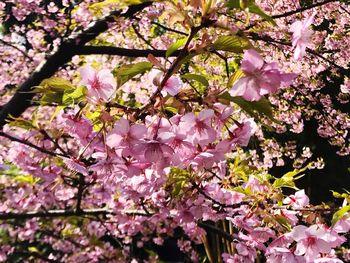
[343,224]
[125,136]
[301,36]
[155,150]
[260,78]
[311,241]
[282,254]
[101,85]
[243,132]
[298,200]
[172,86]
[199,127]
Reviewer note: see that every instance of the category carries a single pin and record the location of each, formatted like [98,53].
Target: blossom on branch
[260,78]
[101,85]
[301,36]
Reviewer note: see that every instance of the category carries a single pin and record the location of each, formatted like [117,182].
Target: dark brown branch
[138,34]
[65,213]
[47,136]
[293,12]
[81,188]
[268,39]
[54,213]
[15,139]
[22,98]
[123,52]
[18,49]
[302,9]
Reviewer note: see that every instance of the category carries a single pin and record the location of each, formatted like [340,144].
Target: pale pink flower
[260,78]
[125,136]
[155,150]
[343,224]
[310,241]
[243,132]
[301,36]
[101,85]
[198,128]
[172,86]
[298,200]
[282,255]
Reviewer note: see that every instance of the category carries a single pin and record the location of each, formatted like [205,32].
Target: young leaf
[339,214]
[199,78]
[253,108]
[179,43]
[231,43]
[127,72]
[22,123]
[234,77]
[55,84]
[233,4]
[253,8]
[73,96]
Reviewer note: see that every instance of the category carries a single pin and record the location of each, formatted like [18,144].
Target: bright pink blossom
[101,85]
[301,35]
[260,78]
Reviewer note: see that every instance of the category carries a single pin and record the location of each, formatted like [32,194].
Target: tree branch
[268,39]
[66,213]
[18,49]
[15,139]
[302,9]
[22,98]
[123,52]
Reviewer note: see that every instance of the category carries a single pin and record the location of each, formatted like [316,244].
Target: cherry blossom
[301,35]
[101,84]
[260,78]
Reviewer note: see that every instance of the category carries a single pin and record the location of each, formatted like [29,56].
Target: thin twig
[15,139]
[18,49]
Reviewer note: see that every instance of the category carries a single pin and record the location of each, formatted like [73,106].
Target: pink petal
[205,114]
[252,61]
[138,131]
[87,72]
[239,87]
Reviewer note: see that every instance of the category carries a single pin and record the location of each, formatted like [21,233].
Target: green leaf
[253,8]
[199,78]
[339,214]
[27,179]
[284,222]
[22,123]
[50,98]
[234,77]
[58,109]
[127,72]
[53,90]
[288,179]
[55,84]
[232,44]
[179,43]
[233,4]
[253,108]
[73,96]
